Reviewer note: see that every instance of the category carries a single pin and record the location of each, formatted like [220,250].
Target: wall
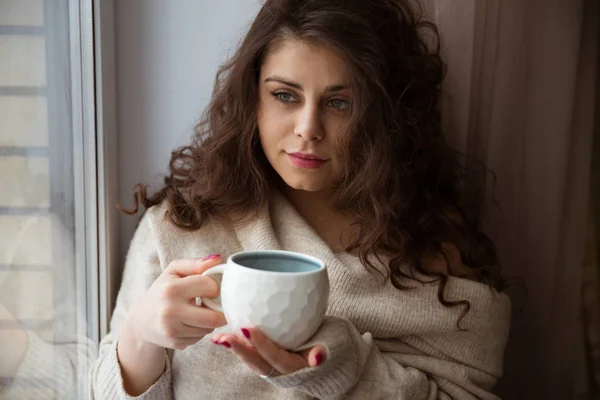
[167,56]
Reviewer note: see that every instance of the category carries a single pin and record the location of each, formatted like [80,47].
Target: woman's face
[305,104]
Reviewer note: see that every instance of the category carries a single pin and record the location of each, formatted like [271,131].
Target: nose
[308,125]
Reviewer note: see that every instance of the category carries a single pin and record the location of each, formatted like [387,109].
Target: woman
[322,137]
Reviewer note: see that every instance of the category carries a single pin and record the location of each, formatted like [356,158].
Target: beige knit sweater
[382,343]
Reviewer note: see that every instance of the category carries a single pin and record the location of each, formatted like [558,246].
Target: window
[48,199]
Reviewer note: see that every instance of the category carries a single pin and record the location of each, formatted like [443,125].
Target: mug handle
[211,303]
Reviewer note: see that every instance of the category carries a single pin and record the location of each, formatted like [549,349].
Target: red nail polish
[246,333]
[226,344]
[211,257]
[319,359]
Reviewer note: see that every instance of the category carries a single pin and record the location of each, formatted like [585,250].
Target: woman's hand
[265,357]
[167,314]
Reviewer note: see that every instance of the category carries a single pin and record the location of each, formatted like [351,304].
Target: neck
[305,202]
[318,210]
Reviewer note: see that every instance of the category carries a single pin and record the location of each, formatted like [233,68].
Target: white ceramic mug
[282,293]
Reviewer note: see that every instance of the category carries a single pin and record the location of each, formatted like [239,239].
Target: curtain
[519,96]
[588,382]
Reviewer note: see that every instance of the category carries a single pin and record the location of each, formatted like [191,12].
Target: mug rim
[321,264]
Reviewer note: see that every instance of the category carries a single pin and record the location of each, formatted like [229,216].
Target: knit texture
[382,343]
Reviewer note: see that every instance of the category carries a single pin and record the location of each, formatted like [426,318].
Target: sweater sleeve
[355,368]
[142,267]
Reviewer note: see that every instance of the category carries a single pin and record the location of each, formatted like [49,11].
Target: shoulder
[174,242]
[159,221]
[155,217]
[487,324]
[447,262]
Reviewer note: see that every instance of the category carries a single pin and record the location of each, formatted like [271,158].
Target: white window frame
[108,269]
[93,72]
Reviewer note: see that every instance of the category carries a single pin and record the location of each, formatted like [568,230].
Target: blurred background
[94,94]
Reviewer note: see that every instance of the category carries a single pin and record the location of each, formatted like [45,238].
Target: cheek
[268,136]
[269,139]
[273,126]
[336,136]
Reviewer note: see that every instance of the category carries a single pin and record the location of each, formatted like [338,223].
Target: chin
[305,187]
[303,184]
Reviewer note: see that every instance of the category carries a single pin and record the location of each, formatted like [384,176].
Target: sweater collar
[280,227]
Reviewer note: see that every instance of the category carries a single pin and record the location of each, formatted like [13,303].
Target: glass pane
[45,345]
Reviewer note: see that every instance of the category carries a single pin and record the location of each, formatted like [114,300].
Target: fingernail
[319,359]
[211,257]
[246,333]
[226,344]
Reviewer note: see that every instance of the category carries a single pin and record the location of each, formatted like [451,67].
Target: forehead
[310,64]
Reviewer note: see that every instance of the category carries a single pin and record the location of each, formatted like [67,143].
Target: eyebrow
[328,89]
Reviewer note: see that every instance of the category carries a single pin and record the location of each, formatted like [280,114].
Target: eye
[339,104]
[284,97]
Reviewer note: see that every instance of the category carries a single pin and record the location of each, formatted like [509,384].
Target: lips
[307,156]
[305,160]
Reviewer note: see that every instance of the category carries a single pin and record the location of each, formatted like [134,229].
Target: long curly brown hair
[402,182]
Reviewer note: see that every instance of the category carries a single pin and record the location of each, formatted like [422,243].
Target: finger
[315,356]
[247,354]
[201,317]
[182,343]
[189,332]
[218,337]
[194,286]
[281,359]
[195,266]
